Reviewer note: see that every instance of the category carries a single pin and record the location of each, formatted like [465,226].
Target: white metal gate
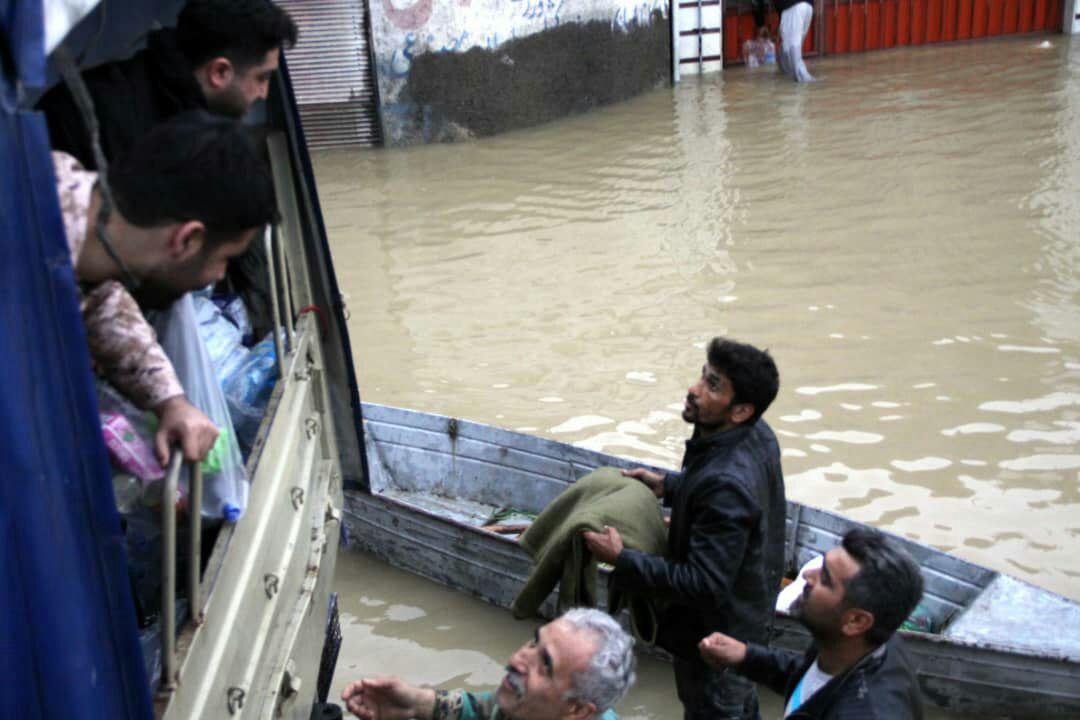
[698,36]
[332,72]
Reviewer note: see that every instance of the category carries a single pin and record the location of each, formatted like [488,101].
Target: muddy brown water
[903,235]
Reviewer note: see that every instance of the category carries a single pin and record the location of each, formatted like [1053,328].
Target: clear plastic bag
[225,484]
[223,340]
[248,391]
[237,313]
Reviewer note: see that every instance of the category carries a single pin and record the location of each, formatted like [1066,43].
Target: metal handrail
[286,289]
[195,487]
[170,484]
[168,572]
[268,239]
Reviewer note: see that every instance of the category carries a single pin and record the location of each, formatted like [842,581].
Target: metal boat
[1000,647]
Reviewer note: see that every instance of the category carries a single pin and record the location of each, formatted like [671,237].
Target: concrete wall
[454,69]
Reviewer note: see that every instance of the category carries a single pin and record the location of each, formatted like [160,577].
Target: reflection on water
[902,236]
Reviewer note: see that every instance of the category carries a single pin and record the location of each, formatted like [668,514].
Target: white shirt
[811,681]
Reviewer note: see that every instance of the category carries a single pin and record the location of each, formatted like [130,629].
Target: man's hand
[604,546]
[722,651]
[181,422]
[654,481]
[388,698]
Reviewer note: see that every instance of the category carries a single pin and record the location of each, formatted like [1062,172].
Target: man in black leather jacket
[725,551]
[858,669]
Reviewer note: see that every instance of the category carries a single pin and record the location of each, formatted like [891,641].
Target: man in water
[725,552]
[852,606]
[575,668]
[188,197]
[795,18]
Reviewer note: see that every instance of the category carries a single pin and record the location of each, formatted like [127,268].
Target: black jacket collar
[697,446]
[823,699]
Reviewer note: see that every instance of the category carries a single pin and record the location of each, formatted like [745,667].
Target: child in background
[759,50]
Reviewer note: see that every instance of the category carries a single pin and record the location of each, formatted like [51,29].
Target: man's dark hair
[889,583]
[752,373]
[195,166]
[241,30]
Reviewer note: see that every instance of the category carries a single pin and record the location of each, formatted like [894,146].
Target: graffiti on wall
[545,10]
[415,14]
[639,14]
[408,16]
[414,42]
[411,27]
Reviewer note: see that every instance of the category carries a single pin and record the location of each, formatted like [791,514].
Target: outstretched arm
[772,667]
[388,698]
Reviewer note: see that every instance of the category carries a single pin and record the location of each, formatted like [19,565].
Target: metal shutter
[332,74]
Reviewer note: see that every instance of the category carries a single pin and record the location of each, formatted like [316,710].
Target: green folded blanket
[603,497]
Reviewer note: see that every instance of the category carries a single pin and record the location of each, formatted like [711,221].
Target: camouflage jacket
[464,705]
[123,346]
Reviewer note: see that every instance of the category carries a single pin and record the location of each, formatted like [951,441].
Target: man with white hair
[575,668]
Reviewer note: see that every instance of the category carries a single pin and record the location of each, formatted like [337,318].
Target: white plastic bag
[225,484]
[222,339]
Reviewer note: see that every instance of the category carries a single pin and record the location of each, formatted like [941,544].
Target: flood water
[903,236]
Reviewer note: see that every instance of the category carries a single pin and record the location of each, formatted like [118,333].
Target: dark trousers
[708,694]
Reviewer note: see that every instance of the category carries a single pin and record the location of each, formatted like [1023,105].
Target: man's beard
[228,102]
[819,629]
[690,411]
[692,414]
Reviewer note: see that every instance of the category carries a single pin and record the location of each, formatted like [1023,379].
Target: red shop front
[843,26]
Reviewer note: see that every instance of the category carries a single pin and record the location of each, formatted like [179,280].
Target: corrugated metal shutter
[332,74]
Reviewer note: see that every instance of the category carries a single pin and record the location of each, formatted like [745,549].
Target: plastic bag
[234,309]
[129,435]
[128,449]
[223,340]
[248,391]
[225,484]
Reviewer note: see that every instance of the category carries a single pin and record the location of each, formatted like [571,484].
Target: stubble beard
[690,411]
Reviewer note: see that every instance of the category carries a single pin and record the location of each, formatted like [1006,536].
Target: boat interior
[491,481]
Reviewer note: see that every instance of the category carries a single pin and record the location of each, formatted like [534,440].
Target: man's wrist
[431,704]
[162,407]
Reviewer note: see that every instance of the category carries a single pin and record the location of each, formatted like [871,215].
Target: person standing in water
[795,18]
